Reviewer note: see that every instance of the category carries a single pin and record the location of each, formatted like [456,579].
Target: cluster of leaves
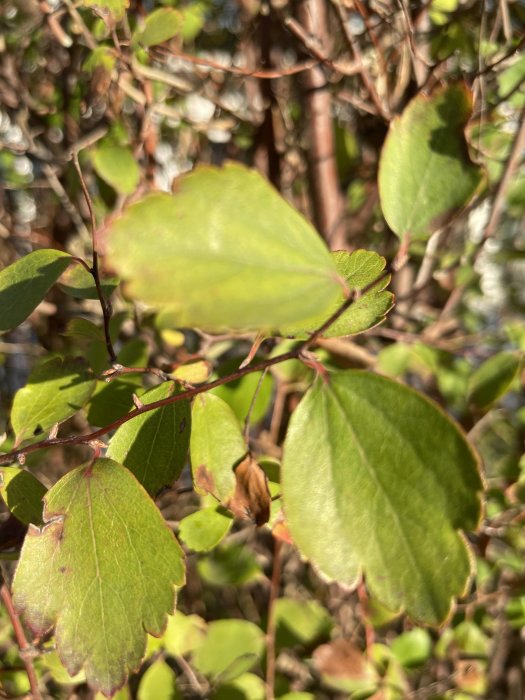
[247,456]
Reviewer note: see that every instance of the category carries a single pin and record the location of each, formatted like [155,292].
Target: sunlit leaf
[239,257]
[493,378]
[25,283]
[55,390]
[376,479]
[230,648]
[117,166]
[426,175]
[184,633]
[78,282]
[204,529]
[159,682]
[359,269]
[22,494]
[154,445]
[101,571]
[300,621]
[114,8]
[160,25]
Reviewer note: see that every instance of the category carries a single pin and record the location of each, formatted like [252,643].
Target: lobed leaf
[425,173]
[239,257]
[376,479]
[25,283]
[56,390]
[101,571]
[154,445]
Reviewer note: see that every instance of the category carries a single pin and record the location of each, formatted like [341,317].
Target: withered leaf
[251,499]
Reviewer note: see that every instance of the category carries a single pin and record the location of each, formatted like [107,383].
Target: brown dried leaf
[251,500]
[341,659]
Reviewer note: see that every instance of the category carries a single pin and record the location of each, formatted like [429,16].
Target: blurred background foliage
[143,93]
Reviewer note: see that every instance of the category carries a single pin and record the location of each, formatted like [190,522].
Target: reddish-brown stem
[270,630]
[21,640]
[104,305]
[190,393]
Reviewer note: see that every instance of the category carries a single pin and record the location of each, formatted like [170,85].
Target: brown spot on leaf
[341,659]
[204,480]
[251,499]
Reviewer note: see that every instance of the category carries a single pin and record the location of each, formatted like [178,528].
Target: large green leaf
[154,445]
[225,251]
[359,269]
[376,478]
[55,390]
[425,174]
[22,494]
[101,571]
[24,284]
[216,446]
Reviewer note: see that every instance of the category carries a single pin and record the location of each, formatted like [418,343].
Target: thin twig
[294,354]
[105,306]
[21,639]
[270,630]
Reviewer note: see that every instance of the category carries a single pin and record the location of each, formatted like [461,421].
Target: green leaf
[229,565]
[111,401]
[160,25]
[55,391]
[184,633]
[358,269]
[376,478]
[230,648]
[78,283]
[300,622]
[412,648]
[204,529]
[83,328]
[245,687]
[493,378]
[101,571]
[239,394]
[216,446]
[22,494]
[239,257]
[159,682]
[117,166]
[115,8]
[154,445]
[25,283]
[425,173]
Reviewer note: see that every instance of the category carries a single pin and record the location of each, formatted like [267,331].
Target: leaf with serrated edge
[376,478]
[216,446]
[102,571]
[55,391]
[25,283]
[154,445]
[426,175]
[241,257]
[358,269]
[22,494]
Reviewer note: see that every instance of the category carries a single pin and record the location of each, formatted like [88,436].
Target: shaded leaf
[358,269]
[230,648]
[216,445]
[154,445]
[25,283]
[114,8]
[493,378]
[22,494]
[239,394]
[184,633]
[376,478]
[344,666]
[117,166]
[56,390]
[412,648]
[78,283]
[160,25]
[300,621]
[248,686]
[100,524]
[229,564]
[280,274]
[204,529]
[425,174]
